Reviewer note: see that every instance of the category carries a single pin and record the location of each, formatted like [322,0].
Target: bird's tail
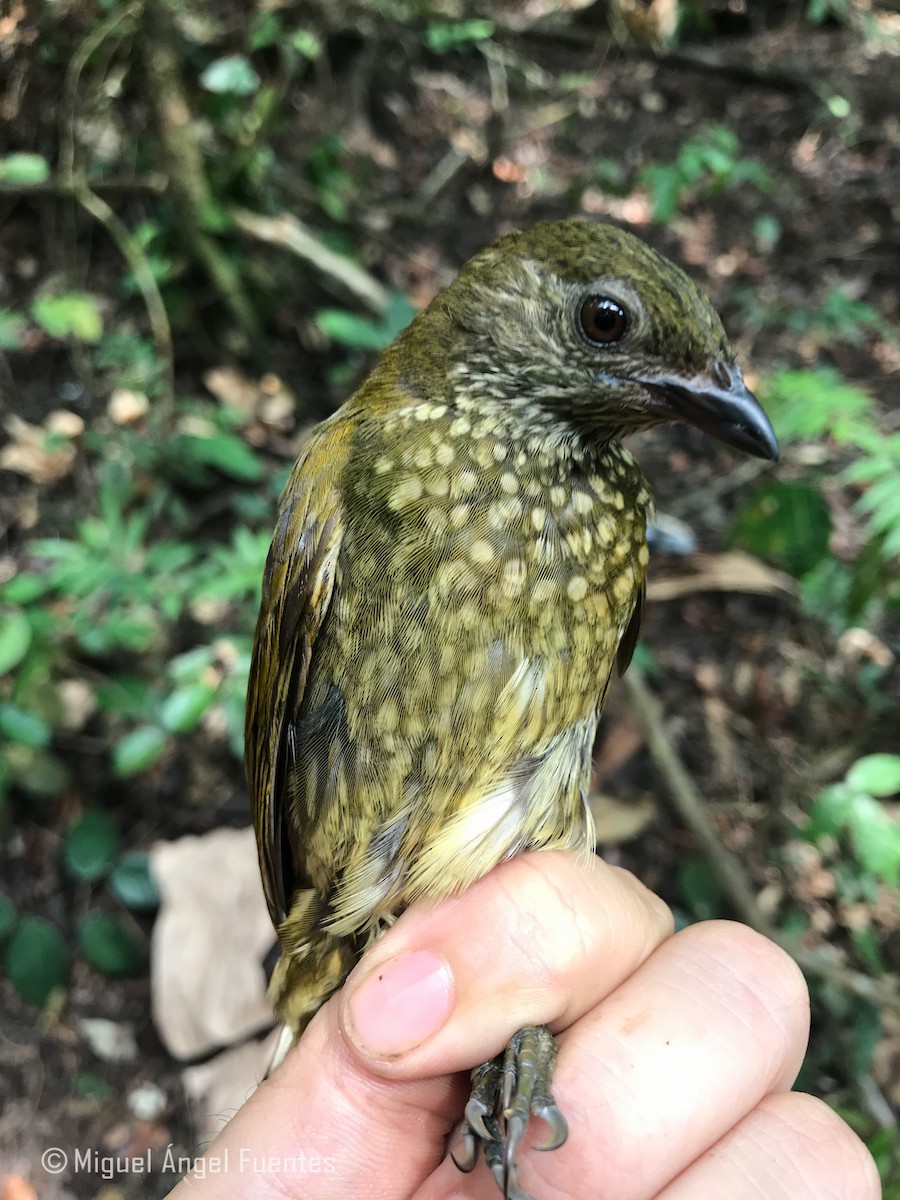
[303,980]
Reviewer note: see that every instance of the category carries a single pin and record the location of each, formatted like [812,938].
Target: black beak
[717,402]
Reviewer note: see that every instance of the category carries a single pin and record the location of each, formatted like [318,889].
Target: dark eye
[603,320]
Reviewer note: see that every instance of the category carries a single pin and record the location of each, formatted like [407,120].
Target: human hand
[676,1056]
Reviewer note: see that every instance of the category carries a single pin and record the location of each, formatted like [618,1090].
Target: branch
[290,234]
[190,188]
[134,255]
[692,811]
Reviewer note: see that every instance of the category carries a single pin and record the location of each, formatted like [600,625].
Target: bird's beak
[719,403]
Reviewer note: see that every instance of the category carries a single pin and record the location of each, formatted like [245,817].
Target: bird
[458,566]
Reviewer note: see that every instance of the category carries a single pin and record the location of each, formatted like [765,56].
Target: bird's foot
[505,1093]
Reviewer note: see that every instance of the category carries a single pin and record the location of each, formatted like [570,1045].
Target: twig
[288,233]
[60,186]
[72,185]
[143,274]
[731,876]
[189,185]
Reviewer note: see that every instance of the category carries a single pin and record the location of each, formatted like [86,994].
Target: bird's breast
[470,552]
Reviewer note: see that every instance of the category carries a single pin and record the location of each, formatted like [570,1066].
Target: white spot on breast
[577,588]
[406,492]
[513,578]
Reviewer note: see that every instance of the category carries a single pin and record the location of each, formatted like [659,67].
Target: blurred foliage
[791,521]
[707,164]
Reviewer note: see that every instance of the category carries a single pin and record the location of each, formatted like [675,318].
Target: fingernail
[401,1003]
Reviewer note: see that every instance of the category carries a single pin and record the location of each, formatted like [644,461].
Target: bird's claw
[506,1092]
[559,1130]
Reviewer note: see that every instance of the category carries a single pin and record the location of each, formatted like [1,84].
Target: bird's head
[586,322]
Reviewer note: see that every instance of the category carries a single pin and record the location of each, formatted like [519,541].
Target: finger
[323,1127]
[540,940]
[713,1021]
[791,1147]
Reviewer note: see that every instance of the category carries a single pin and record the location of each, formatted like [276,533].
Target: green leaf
[350,330]
[785,521]
[226,453]
[108,946]
[701,889]
[397,315]
[444,36]
[184,709]
[36,960]
[41,772]
[810,404]
[12,330]
[133,883]
[91,1087]
[8,916]
[830,811]
[307,43]
[265,30]
[90,846]
[232,75]
[139,749]
[876,839]
[876,774]
[24,169]
[24,727]
[865,1033]
[72,315]
[15,638]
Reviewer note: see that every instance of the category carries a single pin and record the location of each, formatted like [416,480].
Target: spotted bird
[458,562]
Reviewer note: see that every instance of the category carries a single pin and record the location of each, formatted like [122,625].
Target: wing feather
[297,590]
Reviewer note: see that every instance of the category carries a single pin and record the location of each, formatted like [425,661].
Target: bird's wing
[632,632]
[297,588]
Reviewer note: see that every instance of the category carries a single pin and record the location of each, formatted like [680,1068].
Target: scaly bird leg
[505,1093]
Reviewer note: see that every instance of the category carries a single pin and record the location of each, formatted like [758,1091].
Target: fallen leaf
[36,451]
[126,407]
[219,1087]
[113,1041]
[617,820]
[209,942]
[734,571]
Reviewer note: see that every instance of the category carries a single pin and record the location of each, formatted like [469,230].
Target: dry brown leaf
[127,407]
[622,742]
[35,450]
[218,1088]
[209,942]
[734,571]
[233,388]
[617,820]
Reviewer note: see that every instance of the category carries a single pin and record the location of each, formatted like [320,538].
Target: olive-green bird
[458,562]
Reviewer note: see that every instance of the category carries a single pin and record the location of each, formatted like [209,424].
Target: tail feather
[304,980]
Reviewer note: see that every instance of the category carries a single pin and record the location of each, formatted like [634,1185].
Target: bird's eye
[603,320]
